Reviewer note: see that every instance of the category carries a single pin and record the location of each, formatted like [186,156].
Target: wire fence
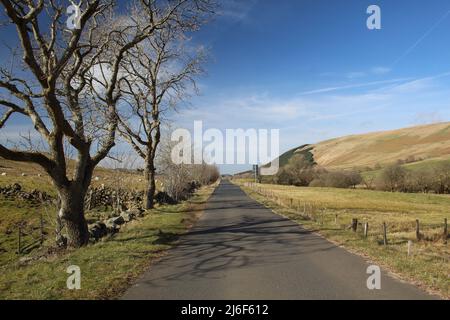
[365,225]
[30,236]
[32,233]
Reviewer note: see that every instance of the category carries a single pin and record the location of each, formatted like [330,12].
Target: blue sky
[312,69]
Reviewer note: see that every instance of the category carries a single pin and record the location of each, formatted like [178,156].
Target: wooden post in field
[409,247]
[336,219]
[418,236]
[19,247]
[42,229]
[354,225]
[366,229]
[445,235]
[291,201]
[385,240]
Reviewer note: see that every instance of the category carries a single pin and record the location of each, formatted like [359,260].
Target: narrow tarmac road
[242,250]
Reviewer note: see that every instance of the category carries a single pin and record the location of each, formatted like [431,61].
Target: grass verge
[428,265]
[107,267]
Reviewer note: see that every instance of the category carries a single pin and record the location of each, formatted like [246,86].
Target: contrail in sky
[426,34]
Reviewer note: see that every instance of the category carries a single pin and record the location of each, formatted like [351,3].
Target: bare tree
[68,85]
[180,180]
[393,178]
[163,71]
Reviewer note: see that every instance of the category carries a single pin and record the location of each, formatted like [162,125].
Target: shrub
[299,172]
[393,178]
[337,179]
[435,179]
[441,173]
[180,180]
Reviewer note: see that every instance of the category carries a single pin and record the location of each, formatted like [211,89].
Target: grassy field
[28,215]
[107,267]
[330,211]
[424,164]
[31,176]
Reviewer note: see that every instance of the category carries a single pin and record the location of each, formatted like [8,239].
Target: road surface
[241,250]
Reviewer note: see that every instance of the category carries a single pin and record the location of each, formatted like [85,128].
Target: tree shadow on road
[257,238]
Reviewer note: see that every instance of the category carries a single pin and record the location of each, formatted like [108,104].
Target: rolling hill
[415,144]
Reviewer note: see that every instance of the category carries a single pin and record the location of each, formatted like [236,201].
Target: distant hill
[414,144]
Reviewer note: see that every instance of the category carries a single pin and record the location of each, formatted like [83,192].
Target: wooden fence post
[291,203]
[409,247]
[418,236]
[385,240]
[366,229]
[19,247]
[445,235]
[42,229]
[354,225]
[336,219]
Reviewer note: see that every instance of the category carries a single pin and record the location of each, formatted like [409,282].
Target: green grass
[11,214]
[424,164]
[107,267]
[429,265]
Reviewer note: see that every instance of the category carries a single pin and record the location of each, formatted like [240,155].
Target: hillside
[417,144]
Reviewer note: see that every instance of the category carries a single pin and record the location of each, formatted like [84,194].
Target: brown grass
[317,209]
[36,178]
[426,142]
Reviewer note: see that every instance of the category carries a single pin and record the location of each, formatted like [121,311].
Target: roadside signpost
[256,173]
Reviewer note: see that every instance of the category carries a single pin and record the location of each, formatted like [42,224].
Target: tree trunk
[151,187]
[72,215]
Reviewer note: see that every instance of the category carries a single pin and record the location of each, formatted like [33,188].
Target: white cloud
[355,75]
[422,118]
[325,113]
[236,9]
[380,70]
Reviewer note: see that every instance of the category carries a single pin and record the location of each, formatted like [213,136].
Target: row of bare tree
[432,178]
[117,72]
